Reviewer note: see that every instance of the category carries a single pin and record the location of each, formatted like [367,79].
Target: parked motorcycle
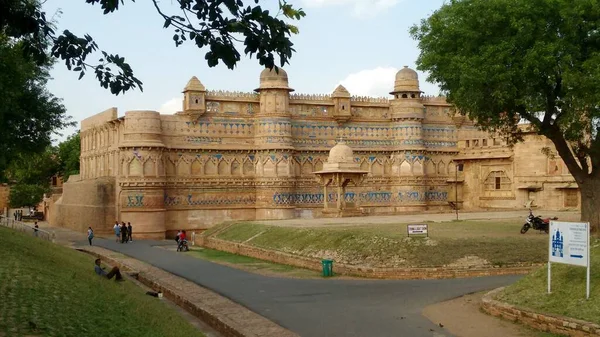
[537,223]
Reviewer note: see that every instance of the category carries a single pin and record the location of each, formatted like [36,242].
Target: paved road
[319,308]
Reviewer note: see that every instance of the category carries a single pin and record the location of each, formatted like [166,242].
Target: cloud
[360,8]
[376,82]
[171,106]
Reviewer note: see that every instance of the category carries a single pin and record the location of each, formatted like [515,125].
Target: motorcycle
[537,223]
[182,246]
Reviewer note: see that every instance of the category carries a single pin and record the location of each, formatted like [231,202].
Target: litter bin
[327,268]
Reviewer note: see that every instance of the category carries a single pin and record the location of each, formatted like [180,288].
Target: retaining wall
[544,322]
[338,268]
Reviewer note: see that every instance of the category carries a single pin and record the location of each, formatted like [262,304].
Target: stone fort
[250,156]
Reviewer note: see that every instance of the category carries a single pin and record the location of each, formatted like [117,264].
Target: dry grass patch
[457,243]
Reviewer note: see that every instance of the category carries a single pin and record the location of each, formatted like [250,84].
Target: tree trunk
[590,201]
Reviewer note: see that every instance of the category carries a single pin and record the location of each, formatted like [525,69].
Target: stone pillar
[142,184]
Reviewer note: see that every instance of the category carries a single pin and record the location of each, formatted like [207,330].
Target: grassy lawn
[251,264]
[458,243]
[50,290]
[568,290]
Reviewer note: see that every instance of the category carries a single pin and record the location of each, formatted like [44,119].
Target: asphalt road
[319,308]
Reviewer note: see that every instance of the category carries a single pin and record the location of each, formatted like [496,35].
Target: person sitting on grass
[113,272]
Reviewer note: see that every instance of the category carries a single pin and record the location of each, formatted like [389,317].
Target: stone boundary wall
[343,269]
[225,316]
[544,322]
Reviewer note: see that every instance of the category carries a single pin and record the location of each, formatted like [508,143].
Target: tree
[68,156]
[215,24]
[30,177]
[503,61]
[26,195]
[29,114]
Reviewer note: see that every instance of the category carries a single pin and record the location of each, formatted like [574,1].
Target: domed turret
[341,158]
[340,153]
[273,79]
[407,80]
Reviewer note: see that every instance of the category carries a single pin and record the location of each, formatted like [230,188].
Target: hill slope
[50,290]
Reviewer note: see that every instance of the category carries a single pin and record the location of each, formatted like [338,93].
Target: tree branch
[565,152]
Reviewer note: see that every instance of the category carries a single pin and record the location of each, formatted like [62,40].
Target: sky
[360,44]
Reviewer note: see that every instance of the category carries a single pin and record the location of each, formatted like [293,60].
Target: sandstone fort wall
[85,203]
[244,156]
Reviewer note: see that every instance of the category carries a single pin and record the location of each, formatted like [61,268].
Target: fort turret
[408,155]
[141,179]
[273,143]
[194,98]
[407,110]
[341,104]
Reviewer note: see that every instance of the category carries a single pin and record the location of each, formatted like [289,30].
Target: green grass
[497,242]
[252,264]
[568,290]
[50,290]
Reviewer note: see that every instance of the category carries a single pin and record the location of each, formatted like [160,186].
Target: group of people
[123,232]
[18,215]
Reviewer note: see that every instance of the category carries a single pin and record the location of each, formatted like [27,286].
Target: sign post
[569,243]
[417,229]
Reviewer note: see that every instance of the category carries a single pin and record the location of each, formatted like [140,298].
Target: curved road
[319,308]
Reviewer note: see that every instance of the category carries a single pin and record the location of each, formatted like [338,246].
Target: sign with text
[569,243]
[420,229]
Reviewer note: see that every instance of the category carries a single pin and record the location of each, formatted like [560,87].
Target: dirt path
[419,217]
[462,317]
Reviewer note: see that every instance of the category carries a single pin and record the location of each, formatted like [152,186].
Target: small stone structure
[340,170]
[246,156]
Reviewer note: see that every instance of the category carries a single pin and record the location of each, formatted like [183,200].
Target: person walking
[129,229]
[90,235]
[35,228]
[117,230]
[123,233]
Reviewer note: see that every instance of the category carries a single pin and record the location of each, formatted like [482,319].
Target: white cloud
[360,8]
[376,82]
[171,106]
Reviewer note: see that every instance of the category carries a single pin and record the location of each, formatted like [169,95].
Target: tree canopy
[68,153]
[30,174]
[215,24]
[503,61]
[29,114]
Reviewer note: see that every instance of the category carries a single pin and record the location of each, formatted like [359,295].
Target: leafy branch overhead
[216,25]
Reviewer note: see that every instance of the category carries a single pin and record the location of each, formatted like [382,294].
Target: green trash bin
[327,268]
